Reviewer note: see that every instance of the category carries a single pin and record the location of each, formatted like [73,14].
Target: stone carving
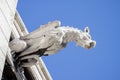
[48,40]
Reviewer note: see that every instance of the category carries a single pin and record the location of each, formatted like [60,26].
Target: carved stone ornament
[48,39]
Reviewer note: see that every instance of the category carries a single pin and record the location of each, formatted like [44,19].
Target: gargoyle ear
[86,30]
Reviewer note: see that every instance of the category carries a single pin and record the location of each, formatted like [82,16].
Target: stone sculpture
[48,40]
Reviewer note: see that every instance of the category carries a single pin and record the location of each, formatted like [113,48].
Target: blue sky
[77,63]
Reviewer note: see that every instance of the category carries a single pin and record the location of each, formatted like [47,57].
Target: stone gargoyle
[47,40]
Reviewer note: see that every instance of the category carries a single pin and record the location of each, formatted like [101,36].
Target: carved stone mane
[49,39]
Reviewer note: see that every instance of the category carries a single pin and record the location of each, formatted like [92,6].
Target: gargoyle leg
[30,50]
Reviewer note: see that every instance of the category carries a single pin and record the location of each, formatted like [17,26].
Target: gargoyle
[49,39]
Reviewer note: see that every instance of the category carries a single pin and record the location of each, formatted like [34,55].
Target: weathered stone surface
[7,12]
[49,39]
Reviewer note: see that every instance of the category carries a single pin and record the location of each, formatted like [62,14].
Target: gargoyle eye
[84,38]
[56,26]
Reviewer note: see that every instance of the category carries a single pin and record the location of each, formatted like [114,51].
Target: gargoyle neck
[70,34]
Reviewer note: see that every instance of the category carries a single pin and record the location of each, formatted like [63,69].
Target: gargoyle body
[49,39]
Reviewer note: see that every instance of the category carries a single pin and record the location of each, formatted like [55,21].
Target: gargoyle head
[85,40]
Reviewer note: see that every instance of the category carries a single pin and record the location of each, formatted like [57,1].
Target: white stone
[53,38]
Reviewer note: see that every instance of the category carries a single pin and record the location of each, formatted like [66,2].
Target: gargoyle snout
[92,44]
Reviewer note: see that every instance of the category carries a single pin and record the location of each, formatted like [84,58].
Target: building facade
[12,26]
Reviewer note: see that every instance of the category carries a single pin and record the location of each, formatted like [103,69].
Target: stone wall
[12,26]
[7,12]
